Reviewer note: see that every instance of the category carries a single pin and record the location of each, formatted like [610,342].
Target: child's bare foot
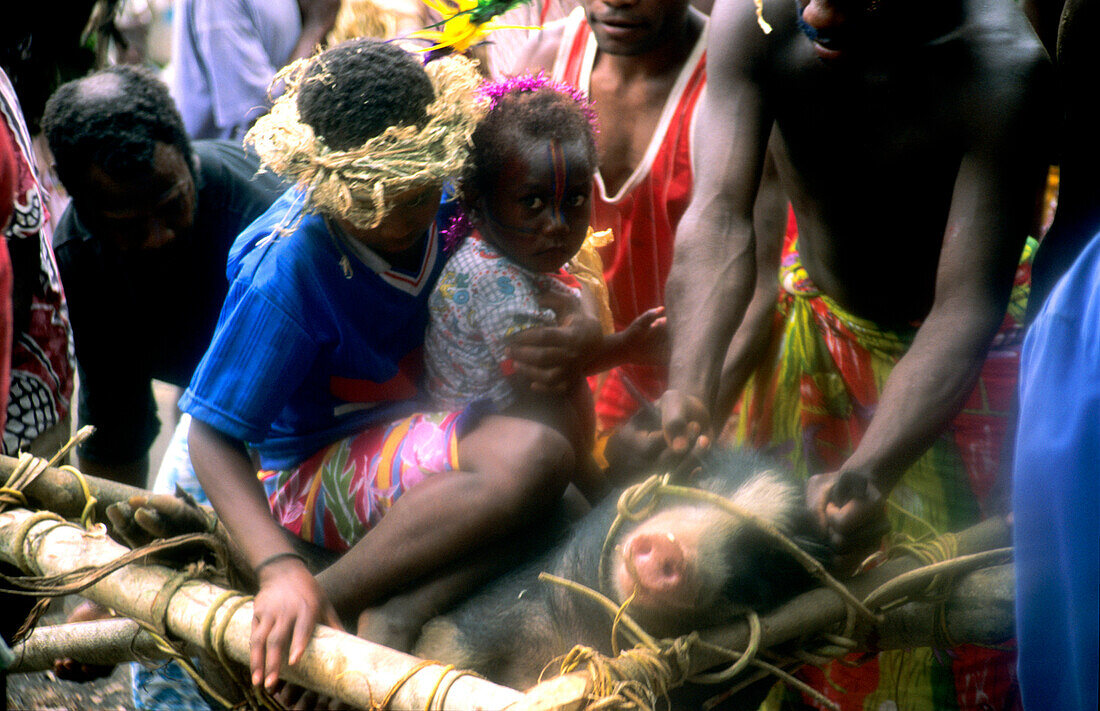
[72,670]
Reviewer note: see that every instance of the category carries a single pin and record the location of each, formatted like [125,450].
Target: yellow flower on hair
[461,28]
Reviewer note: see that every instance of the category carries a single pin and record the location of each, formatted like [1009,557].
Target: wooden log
[822,609]
[569,692]
[103,642]
[335,663]
[59,491]
[979,610]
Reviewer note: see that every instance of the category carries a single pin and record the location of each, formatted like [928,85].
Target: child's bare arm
[552,357]
[644,341]
[289,602]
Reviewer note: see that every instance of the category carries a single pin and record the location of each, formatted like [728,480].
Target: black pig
[693,565]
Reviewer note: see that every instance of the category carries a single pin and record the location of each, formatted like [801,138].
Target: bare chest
[629,116]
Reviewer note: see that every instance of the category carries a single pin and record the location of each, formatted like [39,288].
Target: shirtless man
[643,64]
[909,141]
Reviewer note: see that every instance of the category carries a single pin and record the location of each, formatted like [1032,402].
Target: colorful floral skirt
[333,498]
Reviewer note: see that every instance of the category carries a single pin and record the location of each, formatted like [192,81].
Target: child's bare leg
[512,469]
[396,623]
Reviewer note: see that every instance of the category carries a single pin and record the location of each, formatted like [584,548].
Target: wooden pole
[979,610]
[822,609]
[59,491]
[335,663]
[104,642]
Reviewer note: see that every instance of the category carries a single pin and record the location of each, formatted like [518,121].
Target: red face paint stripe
[560,171]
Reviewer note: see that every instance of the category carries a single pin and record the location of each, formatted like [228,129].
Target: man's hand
[299,698]
[685,423]
[145,518]
[288,606]
[553,358]
[634,447]
[851,510]
[667,435]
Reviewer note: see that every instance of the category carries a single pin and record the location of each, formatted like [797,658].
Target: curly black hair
[112,119]
[544,113]
[359,88]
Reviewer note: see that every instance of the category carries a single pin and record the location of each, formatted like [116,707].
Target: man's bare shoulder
[541,50]
[1001,42]
[741,39]
[1010,74]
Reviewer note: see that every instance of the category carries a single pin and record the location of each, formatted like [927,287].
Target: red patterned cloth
[42,352]
[333,498]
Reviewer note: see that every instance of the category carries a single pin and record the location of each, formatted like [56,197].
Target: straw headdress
[358,184]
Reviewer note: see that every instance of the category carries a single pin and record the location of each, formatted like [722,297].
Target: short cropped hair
[115,127]
[358,89]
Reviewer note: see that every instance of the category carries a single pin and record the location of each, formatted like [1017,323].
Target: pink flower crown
[495,91]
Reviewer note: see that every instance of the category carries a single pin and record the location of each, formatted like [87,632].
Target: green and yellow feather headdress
[466,23]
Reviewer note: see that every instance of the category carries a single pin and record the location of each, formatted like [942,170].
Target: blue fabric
[1055,496]
[225,54]
[313,344]
[165,688]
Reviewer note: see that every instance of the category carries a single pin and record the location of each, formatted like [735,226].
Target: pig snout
[657,562]
[658,570]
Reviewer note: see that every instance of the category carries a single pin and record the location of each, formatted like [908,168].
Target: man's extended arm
[992,208]
[713,272]
[750,341]
[115,393]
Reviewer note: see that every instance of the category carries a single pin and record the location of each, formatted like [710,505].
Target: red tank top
[643,214]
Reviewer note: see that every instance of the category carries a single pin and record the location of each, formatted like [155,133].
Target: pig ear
[750,589]
[761,576]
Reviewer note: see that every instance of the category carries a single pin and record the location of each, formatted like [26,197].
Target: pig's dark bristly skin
[712,568]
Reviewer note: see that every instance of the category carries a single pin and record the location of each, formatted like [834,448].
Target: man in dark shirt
[142,250]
